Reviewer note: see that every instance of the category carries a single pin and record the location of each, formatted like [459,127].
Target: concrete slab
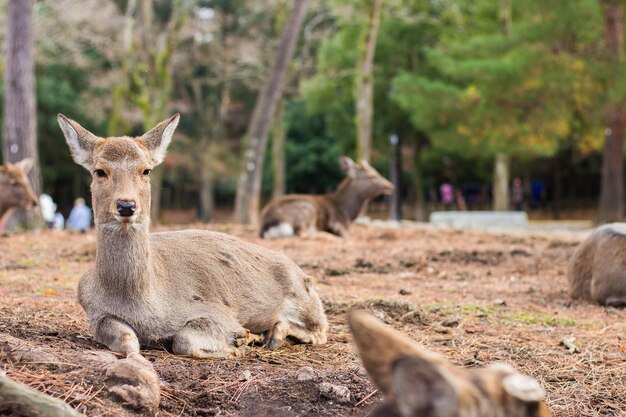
[480,220]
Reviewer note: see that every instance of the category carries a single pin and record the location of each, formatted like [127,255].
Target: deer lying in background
[302,214]
[597,271]
[419,383]
[208,293]
[15,188]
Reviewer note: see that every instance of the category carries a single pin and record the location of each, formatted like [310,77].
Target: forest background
[272,93]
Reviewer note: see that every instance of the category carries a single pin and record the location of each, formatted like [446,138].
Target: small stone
[361,371]
[379,315]
[306,373]
[498,302]
[405,292]
[245,375]
[338,393]
[134,382]
[450,322]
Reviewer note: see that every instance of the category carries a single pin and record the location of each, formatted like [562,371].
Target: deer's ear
[159,137]
[81,141]
[423,388]
[347,165]
[523,387]
[25,165]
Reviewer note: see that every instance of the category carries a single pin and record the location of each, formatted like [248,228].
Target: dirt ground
[475,297]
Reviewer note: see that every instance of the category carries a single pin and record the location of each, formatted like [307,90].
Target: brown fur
[15,188]
[419,383]
[208,293]
[597,271]
[302,214]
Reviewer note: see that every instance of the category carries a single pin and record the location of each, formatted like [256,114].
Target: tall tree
[146,71]
[20,128]
[249,184]
[611,207]
[364,80]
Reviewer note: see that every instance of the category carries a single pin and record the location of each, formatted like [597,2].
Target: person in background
[447,195]
[48,208]
[80,216]
[59,222]
[518,194]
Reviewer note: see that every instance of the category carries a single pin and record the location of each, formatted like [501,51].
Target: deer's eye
[100,173]
[146,172]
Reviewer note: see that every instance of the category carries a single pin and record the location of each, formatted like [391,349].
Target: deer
[304,215]
[421,383]
[206,294]
[597,270]
[15,188]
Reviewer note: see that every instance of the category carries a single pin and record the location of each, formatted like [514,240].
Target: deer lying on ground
[597,271]
[207,293]
[302,214]
[15,188]
[419,383]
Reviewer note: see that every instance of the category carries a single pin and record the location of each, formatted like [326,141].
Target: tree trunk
[278,152]
[611,205]
[501,182]
[249,184]
[20,118]
[396,178]
[364,82]
[420,204]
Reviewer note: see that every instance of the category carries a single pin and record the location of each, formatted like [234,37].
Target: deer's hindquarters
[597,270]
[290,215]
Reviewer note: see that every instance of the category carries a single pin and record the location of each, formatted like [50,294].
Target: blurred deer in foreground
[302,214]
[15,188]
[597,271]
[207,293]
[420,383]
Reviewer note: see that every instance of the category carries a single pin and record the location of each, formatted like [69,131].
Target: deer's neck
[347,199]
[123,260]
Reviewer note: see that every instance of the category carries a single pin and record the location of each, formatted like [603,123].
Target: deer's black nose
[126,208]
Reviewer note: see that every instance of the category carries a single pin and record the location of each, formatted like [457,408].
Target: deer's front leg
[117,335]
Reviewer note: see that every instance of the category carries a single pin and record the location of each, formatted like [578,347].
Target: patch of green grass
[526,317]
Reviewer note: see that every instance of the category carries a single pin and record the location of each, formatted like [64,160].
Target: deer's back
[598,268]
[301,211]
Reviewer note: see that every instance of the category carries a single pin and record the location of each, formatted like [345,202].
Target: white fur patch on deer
[209,294]
[303,215]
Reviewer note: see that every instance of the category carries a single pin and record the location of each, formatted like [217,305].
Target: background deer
[302,214]
[419,383]
[597,271]
[208,293]
[15,188]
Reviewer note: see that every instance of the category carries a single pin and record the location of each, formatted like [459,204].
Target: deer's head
[120,167]
[15,189]
[368,182]
[419,383]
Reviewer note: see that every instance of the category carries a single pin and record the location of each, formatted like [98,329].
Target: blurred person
[80,216]
[518,194]
[59,221]
[446,190]
[48,209]
[537,191]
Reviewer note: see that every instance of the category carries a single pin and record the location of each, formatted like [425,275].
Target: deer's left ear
[159,137]
[25,165]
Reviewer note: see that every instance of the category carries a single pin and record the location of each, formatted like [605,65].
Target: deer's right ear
[423,388]
[81,141]
[347,165]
